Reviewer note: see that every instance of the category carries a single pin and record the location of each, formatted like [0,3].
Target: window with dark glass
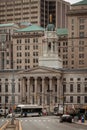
[78,99]
[71,79]
[85,99]
[71,87]
[85,88]
[71,99]
[78,88]
[6,99]
[6,88]
[64,87]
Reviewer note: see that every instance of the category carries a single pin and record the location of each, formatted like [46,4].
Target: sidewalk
[79,122]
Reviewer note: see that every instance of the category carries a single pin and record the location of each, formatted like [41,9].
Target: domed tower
[49,56]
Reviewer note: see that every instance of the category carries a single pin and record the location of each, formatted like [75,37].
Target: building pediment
[40,70]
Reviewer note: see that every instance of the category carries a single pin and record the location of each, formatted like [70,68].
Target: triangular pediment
[39,70]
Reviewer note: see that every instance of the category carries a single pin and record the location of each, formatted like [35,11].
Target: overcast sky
[73,1]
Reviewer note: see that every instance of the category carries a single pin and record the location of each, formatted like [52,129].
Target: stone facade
[45,86]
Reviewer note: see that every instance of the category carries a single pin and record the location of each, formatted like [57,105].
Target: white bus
[28,110]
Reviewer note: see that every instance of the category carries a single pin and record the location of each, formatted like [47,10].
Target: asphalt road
[48,123]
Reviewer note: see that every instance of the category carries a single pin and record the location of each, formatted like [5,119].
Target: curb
[80,123]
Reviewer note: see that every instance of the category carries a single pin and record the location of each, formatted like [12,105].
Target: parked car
[66,118]
[15,115]
[3,112]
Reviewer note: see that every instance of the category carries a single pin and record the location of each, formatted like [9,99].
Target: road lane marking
[20,126]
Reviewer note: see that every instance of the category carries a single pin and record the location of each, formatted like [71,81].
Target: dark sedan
[66,118]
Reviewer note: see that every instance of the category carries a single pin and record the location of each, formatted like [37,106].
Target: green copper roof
[8,25]
[62,31]
[83,2]
[31,28]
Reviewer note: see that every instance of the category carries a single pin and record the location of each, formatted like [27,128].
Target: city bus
[28,110]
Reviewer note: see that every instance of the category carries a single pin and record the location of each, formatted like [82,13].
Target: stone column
[50,94]
[21,90]
[28,90]
[24,91]
[58,90]
[35,96]
[43,92]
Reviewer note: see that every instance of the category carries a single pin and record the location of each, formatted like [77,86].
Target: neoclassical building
[44,86]
[48,84]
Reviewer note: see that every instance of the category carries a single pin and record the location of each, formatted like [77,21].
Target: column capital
[58,78]
[42,77]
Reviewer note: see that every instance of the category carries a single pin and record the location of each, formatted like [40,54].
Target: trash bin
[82,119]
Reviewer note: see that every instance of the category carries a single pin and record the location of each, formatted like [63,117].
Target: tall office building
[34,11]
[77,35]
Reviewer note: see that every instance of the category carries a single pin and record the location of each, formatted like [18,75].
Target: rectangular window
[71,79]
[81,62]
[78,99]
[81,20]
[72,62]
[81,55]
[64,79]
[6,88]
[78,88]
[71,99]
[81,49]
[85,99]
[81,34]
[72,27]
[71,87]
[81,43]
[85,88]
[81,27]
[64,87]
[6,99]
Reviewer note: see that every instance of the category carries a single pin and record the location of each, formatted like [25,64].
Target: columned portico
[39,90]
